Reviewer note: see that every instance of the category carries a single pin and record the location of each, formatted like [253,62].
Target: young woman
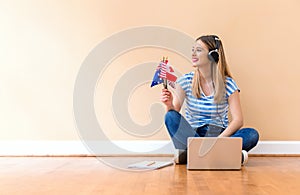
[210,92]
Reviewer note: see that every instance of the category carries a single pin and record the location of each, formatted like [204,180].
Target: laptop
[207,153]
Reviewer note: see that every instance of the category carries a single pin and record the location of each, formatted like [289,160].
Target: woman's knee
[247,132]
[172,115]
[252,137]
[253,134]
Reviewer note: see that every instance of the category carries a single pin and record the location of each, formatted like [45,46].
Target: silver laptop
[214,153]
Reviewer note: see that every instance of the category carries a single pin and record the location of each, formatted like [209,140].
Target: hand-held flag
[164,74]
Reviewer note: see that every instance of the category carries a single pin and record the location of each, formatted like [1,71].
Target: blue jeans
[179,130]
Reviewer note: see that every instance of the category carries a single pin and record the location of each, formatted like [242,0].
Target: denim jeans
[179,130]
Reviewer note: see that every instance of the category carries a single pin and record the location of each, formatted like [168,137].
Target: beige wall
[43,44]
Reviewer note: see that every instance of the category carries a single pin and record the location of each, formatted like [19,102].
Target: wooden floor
[88,175]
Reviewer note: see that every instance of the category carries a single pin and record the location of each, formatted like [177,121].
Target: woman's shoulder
[185,80]
[229,80]
[187,76]
[231,85]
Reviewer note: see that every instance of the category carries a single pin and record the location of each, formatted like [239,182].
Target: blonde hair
[219,70]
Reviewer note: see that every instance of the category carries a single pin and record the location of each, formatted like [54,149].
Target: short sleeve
[231,86]
[185,81]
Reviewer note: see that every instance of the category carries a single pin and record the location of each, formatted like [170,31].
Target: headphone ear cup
[213,56]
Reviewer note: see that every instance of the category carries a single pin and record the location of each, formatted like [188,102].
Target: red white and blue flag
[164,71]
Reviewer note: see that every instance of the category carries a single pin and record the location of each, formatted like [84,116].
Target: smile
[195,59]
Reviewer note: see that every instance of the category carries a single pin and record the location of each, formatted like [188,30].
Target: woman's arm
[173,102]
[236,115]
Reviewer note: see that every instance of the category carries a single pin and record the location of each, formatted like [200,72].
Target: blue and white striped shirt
[203,110]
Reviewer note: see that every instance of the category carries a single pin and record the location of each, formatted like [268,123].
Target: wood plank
[88,175]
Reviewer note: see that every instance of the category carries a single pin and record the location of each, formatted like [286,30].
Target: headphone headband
[213,55]
[217,41]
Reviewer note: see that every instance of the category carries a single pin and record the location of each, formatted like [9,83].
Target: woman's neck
[205,74]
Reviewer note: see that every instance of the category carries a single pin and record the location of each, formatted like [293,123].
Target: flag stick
[165,83]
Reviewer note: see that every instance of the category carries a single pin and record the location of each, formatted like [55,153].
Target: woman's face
[200,54]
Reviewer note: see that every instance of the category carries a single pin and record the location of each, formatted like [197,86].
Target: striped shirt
[203,110]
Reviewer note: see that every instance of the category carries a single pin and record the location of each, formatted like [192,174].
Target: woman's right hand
[167,99]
